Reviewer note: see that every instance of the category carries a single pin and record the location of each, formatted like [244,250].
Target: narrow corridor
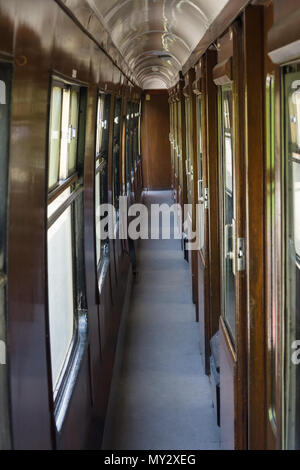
[160,397]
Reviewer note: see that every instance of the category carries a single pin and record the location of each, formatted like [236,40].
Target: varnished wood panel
[155,141]
[213,179]
[44,39]
[253,66]
[203,303]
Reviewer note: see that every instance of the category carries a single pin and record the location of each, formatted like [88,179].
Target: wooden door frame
[211,100]
[230,70]
[253,38]
[203,260]
[183,142]
[188,93]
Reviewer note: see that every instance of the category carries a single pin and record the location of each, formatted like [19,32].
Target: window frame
[64,85]
[101,169]
[63,389]
[223,190]
[118,101]
[286,73]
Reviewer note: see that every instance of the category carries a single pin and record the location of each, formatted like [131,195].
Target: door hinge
[241,254]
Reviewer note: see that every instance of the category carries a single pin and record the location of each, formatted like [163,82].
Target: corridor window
[61,290]
[136,132]
[139,126]
[201,194]
[117,152]
[271,256]
[292,205]
[176,164]
[66,292]
[63,134]
[180,143]
[132,149]
[228,274]
[188,130]
[101,170]
[128,144]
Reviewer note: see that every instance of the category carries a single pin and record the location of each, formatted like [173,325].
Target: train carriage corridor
[160,395]
[121,331]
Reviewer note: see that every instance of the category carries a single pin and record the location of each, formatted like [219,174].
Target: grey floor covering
[160,397]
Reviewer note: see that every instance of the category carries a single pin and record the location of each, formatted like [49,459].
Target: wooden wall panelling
[192,184]
[254,156]
[231,45]
[155,140]
[200,90]
[227,353]
[31,411]
[45,42]
[213,179]
[183,140]
[240,278]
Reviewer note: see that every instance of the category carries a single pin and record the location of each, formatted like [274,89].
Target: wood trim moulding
[284,39]
[222,73]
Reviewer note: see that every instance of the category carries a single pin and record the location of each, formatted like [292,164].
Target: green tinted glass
[228,208]
[73,130]
[55,133]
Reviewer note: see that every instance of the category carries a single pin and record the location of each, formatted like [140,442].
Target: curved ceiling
[156,37]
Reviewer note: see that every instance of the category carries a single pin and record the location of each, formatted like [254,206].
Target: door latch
[241,254]
[206,198]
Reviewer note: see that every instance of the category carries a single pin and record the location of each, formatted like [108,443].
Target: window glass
[296,205]
[101,123]
[188,147]
[63,133]
[173,135]
[61,291]
[226,106]
[139,125]
[73,130]
[176,165]
[292,307]
[66,288]
[98,219]
[117,152]
[188,122]
[272,314]
[200,173]
[180,143]
[128,146]
[55,128]
[136,133]
[65,136]
[171,129]
[101,169]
